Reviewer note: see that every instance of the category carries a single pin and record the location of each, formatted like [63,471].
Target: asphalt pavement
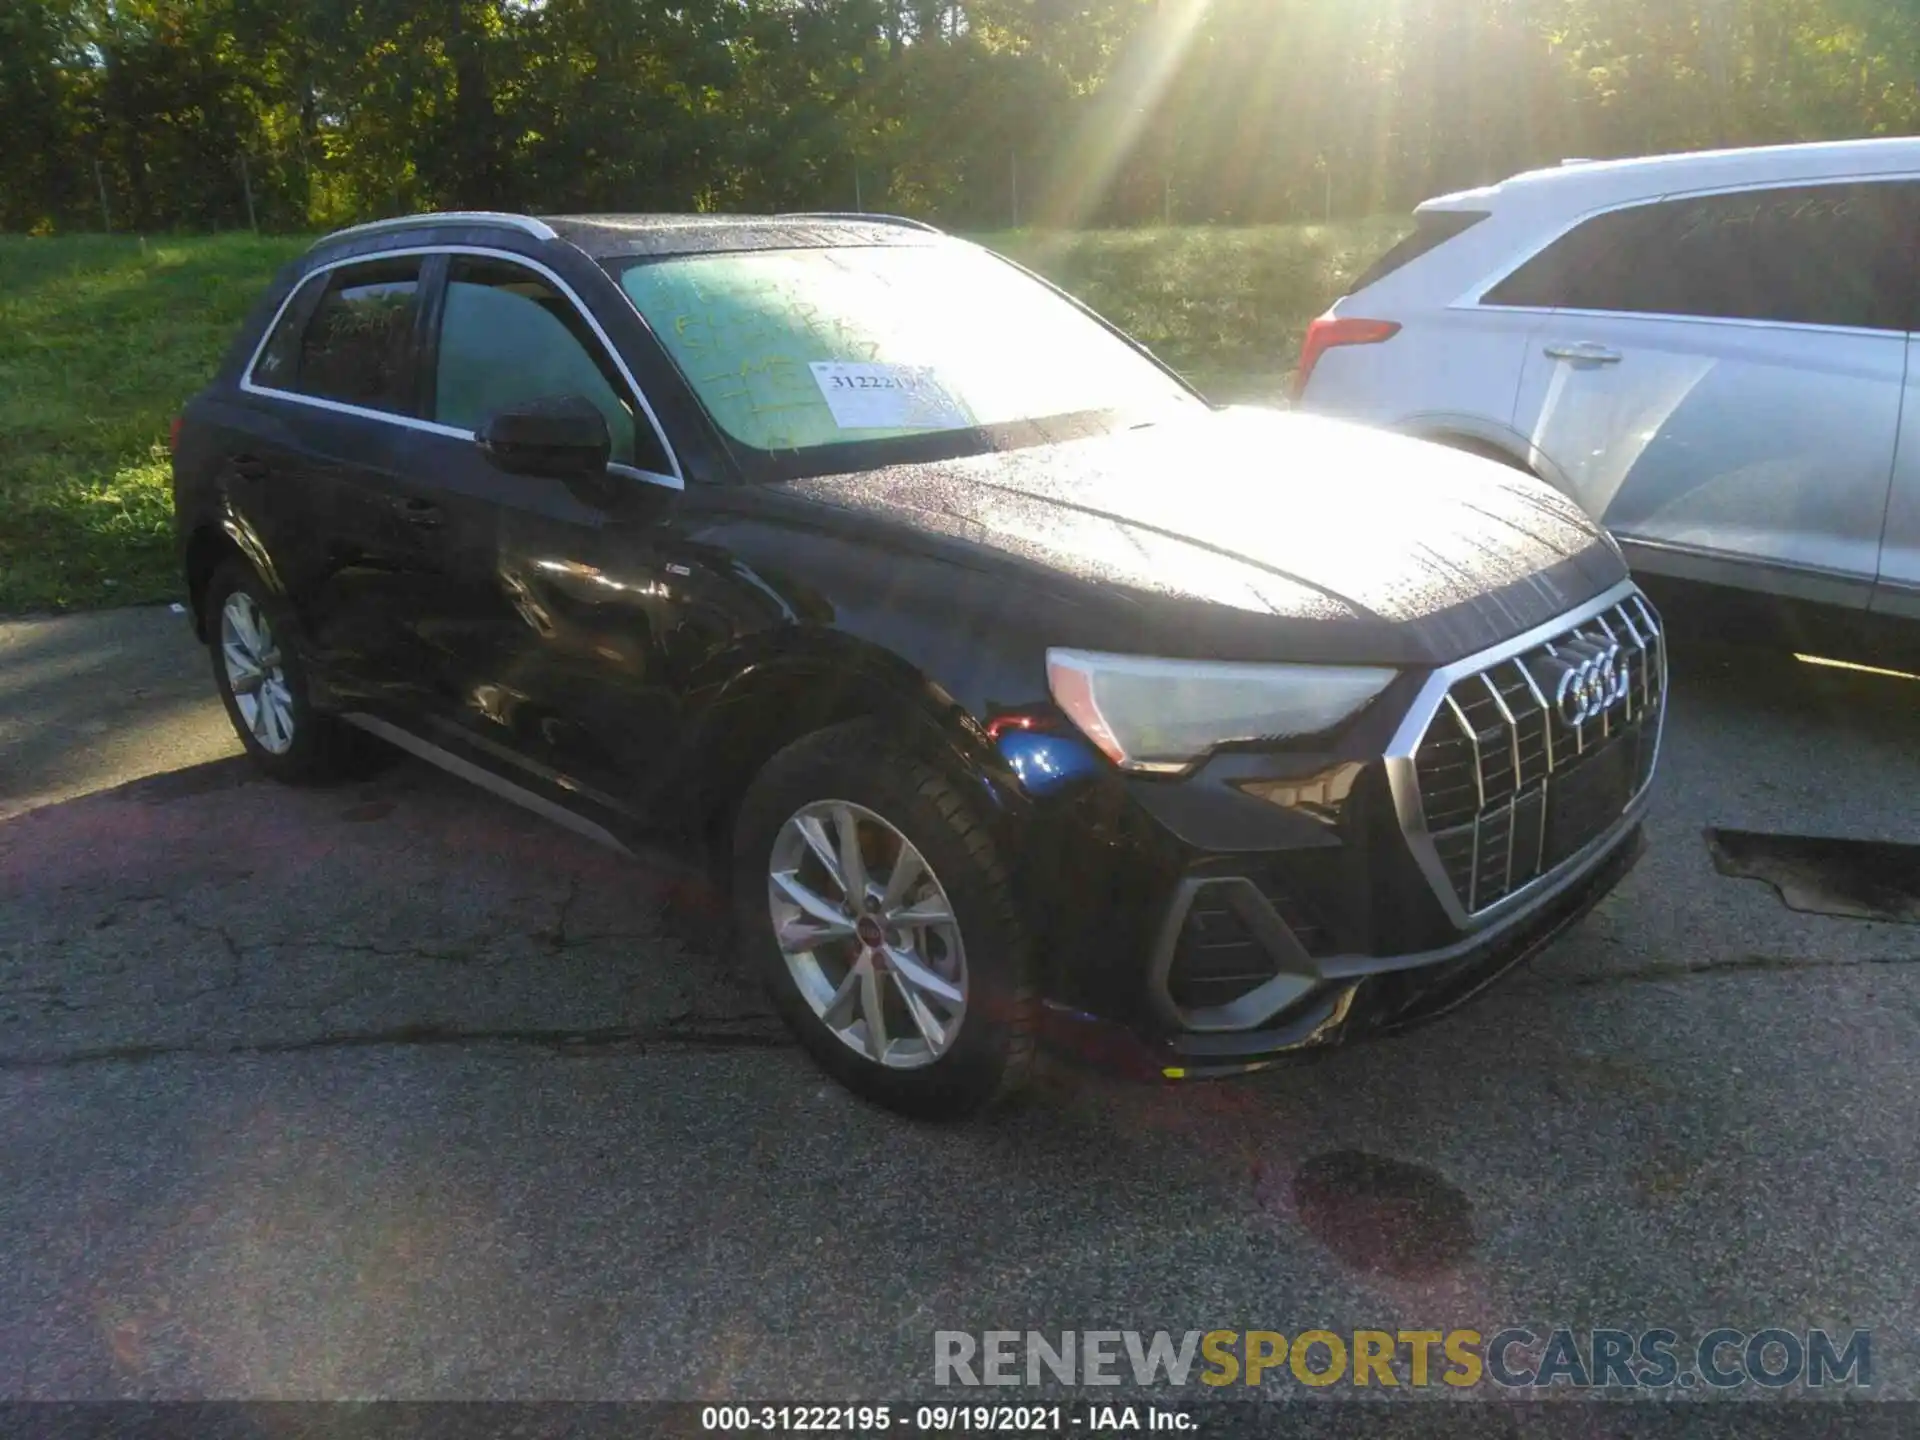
[395,1090]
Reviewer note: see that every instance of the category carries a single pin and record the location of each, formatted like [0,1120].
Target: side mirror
[564,436]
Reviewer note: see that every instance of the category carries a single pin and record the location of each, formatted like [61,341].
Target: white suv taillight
[1331,330]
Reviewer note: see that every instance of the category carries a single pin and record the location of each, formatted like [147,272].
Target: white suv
[1713,353]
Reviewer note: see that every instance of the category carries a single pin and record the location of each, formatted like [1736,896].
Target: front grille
[1508,789]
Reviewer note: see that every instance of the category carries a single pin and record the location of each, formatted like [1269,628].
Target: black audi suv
[1026,697]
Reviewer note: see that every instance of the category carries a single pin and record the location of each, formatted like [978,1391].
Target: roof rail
[870,217]
[539,229]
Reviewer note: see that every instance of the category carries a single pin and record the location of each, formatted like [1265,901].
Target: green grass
[102,339]
[1224,306]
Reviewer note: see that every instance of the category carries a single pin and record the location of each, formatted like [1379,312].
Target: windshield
[802,350]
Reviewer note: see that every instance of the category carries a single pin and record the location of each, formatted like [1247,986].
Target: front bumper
[1418,989]
[1422,988]
[1272,905]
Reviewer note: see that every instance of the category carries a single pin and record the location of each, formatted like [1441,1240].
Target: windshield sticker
[871,396]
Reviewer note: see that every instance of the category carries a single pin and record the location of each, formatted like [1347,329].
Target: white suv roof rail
[539,229]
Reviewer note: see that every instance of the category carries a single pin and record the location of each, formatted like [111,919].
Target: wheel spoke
[263,721]
[281,703]
[800,934]
[237,658]
[917,974]
[853,869]
[924,1019]
[245,625]
[840,1010]
[817,908]
[930,911]
[873,1011]
[815,834]
[908,870]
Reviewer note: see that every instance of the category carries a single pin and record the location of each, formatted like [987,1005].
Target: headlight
[1162,715]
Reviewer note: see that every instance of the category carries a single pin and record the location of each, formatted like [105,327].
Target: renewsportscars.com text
[1516,1358]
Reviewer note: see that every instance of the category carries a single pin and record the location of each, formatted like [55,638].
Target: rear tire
[263,685]
[930,916]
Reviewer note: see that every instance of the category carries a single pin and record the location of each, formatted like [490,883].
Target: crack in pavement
[696,1032]
[556,938]
[199,927]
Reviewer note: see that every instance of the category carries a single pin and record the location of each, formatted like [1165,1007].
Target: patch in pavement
[1384,1216]
[1822,875]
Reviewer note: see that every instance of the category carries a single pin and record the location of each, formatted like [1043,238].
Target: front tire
[263,684]
[872,900]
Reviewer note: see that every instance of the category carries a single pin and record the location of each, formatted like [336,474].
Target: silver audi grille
[1529,760]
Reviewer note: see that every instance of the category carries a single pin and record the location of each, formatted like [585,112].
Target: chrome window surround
[675,480]
[1300,973]
[539,229]
[1404,782]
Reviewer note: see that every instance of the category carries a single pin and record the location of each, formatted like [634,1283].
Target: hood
[1270,533]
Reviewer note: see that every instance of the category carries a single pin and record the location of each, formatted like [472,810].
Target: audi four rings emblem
[1595,680]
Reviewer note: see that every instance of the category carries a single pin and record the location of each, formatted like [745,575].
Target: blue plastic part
[1046,763]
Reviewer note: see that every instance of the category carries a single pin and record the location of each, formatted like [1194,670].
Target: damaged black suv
[1029,696]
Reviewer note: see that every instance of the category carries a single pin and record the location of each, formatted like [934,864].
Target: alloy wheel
[868,934]
[256,674]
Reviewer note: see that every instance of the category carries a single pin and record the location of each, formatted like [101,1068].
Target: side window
[1809,254]
[358,348]
[1592,267]
[507,335]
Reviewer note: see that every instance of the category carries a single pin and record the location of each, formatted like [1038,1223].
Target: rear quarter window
[1431,230]
[280,357]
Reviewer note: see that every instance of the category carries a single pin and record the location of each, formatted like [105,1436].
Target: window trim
[675,480]
[1474,299]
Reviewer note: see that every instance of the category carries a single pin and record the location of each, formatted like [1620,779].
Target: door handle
[1584,352]
[249,467]
[423,513]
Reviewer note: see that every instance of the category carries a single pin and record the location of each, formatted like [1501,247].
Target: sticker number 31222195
[866,395]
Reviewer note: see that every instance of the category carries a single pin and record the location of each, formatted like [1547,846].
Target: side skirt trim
[486,779]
